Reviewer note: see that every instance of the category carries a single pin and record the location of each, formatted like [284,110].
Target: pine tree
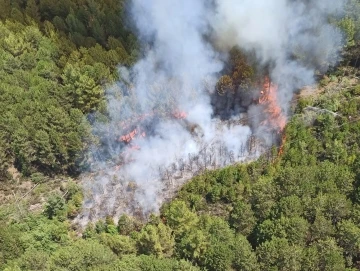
[32,10]
[5,9]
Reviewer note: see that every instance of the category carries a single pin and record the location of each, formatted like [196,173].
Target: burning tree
[275,118]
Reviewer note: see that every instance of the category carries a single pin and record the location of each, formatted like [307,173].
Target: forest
[297,207]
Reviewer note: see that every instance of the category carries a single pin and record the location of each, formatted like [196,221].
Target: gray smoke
[293,35]
[178,73]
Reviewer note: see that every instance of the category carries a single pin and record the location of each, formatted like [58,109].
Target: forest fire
[139,131]
[130,136]
[282,145]
[231,141]
[274,115]
[179,115]
[149,148]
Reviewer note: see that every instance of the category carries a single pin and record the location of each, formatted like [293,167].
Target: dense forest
[295,208]
[53,73]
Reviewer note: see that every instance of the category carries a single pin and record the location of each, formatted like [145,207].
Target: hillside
[295,210]
[295,207]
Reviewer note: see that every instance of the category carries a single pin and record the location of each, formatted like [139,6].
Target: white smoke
[293,35]
[179,70]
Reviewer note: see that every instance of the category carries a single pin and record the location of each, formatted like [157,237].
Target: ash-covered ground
[111,191]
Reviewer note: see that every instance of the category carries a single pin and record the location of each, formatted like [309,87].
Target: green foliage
[156,240]
[277,254]
[299,211]
[125,225]
[38,177]
[81,88]
[244,256]
[322,228]
[89,231]
[242,73]
[192,245]
[83,24]
[82,255]
[100,227]
[294,229]
[43,235]
[349,238]
[351,23]
[151,263]
[119,244]
[40,132]
[329,255]
[219,254]
[263,197]
[55,207]
[218,257]
[179,217]
[10,245]
[348,26]
[34,260]
[50,80]
[242,218]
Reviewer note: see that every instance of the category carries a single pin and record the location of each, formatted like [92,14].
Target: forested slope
[56,58]
[296,208]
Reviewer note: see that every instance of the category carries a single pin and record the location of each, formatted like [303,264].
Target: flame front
[136,132]
[275,118]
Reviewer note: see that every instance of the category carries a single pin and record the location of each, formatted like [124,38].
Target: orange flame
[135,147]
[283,141]
[127,138]
[130,136]
[179,115]
[274,115]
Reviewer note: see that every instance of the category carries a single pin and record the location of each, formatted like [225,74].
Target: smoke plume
[163,128]
[293,35]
